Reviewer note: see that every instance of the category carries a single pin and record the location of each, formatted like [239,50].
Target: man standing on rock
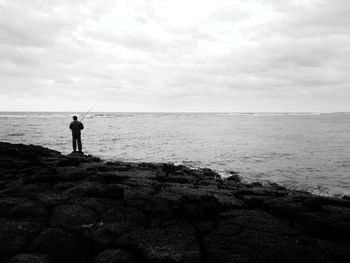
[76,126]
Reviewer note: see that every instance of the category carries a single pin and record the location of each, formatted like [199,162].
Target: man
[76,126]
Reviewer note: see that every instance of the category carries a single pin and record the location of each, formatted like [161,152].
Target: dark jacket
[76,127]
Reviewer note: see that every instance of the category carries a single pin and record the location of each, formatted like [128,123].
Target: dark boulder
[29,210]
[69,161]
[115,256]
[130,215]
[29,258]
[175,242]
[198,207]
[61,246]
[94,189]
[15,237]
[68,216]
[105,236]
[232,243]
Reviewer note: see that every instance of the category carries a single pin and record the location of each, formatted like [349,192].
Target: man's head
[75,118]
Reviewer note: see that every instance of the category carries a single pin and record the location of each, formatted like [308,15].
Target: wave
[15,134]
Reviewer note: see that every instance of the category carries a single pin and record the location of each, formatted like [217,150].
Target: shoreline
[72,208]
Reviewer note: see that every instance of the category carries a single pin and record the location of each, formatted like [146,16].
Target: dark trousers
[76,138]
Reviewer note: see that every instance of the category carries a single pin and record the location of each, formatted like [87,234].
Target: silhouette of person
[76,126]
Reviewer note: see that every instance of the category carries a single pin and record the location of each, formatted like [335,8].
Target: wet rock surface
[77,208]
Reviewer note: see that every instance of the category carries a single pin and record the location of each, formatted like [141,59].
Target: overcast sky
[178,55]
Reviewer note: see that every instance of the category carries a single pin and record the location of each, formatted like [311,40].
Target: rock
[111,191]
[283,208]
[62,186]
[28,210]
[232,243]
[337,251]
[172,179]
[7,203]
[130,215]
[50,200]
[98,205]
[15,236]
[115,256]
[198,207]
[138,197]
[25,191]
[70,161]
[316,202]
[227,200]
[108,234]
[27,152]
[261,221]
[67,216]
[173,243]
[111,178]
[29,258]
[326,225]
[253,201]
[94,189]
[234,177]
[159,208]
[158,213]
[61,246]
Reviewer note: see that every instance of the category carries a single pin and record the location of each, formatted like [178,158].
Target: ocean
[304,151]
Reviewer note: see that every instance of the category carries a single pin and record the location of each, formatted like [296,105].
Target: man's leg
[74,143]
[79,143]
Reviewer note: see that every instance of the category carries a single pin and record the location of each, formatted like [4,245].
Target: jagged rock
[283,207]
[115,256]
[205,206]
[232,243]
[26,191]
[96,204]
[70,161]
[50,200]
[329,226]
[94,189]
[173,243]
[316,202]
[337,251]
[130,215]
[159,208]
[158,212]
[28,210]
[172,179]
[7,203]
[261,221]
[61,246]
[109,233]
[26,152]
[234,177]
[15,236]
[111,178]
[67,216]
[29,258]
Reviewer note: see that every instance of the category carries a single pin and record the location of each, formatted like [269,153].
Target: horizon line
[247,112]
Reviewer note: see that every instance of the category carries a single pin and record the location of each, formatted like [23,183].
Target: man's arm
[81,126]
[70,126]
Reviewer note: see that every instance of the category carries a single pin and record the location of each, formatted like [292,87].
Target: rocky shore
[57,208]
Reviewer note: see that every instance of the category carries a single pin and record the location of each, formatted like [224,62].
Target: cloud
[162,55]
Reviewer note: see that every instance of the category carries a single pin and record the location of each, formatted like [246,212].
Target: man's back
[76,126]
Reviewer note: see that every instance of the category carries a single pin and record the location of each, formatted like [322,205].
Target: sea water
[301,151]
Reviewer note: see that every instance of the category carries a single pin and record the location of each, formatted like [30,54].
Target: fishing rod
[87,112]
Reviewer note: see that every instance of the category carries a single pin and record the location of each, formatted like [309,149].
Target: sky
[175,55]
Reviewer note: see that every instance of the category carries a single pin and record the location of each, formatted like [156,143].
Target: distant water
[301,151]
